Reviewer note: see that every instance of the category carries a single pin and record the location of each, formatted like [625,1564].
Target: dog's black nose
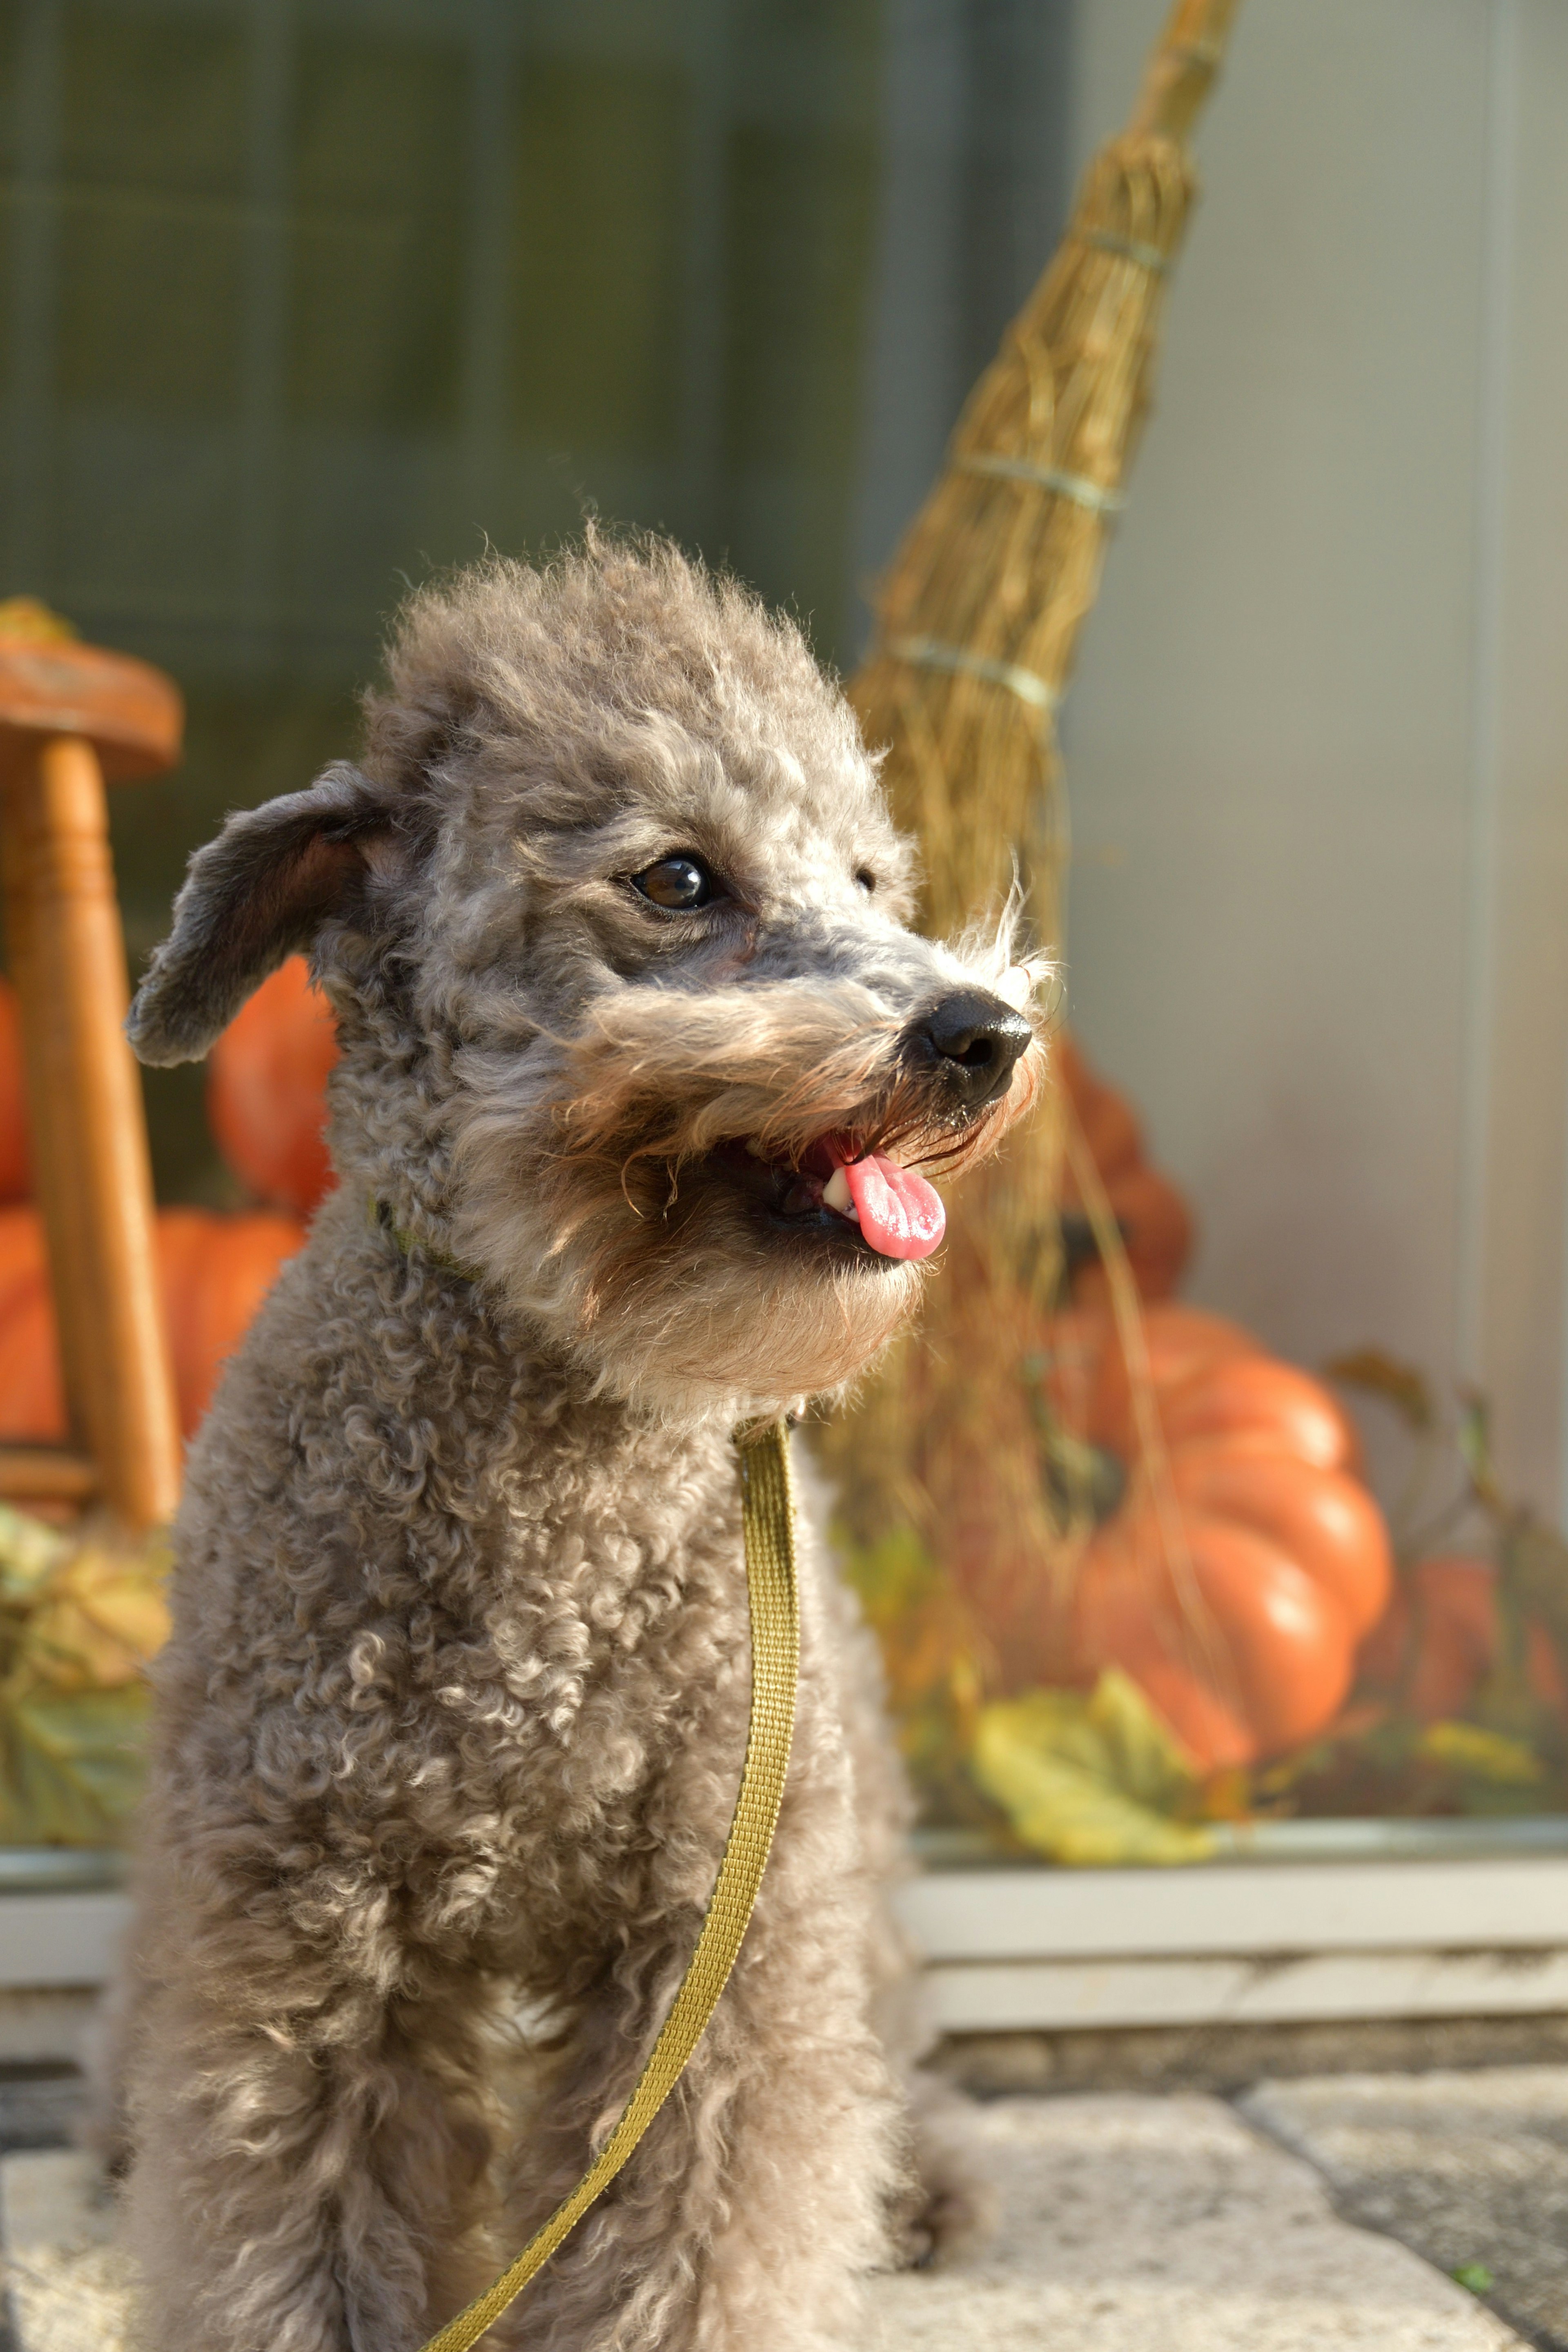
[974,1040]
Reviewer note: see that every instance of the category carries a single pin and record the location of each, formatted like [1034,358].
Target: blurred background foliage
[302,298]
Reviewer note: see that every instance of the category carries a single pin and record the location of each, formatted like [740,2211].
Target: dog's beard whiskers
[739,1062]
[986,950]
[782,1116]
[697,1306]
[898,1116]
[657,1072]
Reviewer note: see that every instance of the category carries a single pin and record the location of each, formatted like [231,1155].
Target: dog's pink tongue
[900,1214]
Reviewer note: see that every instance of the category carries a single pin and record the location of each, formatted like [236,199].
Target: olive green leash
[768,1515]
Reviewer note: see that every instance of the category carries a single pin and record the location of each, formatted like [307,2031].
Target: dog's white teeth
[835,1193]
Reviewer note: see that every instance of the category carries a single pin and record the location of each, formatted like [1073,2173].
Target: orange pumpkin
[1257,1398]
[15,1158]
[1277,1658]
[1288,1557]
[1156,1229]
[1154,1221]
[1457,1630]
[267,1090]
[1089,1383]
[216,1272]
[1442,1635]
[1323,1521]
[1109,1124]
[32,1401]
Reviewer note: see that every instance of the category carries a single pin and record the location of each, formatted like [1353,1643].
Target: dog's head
[614,921]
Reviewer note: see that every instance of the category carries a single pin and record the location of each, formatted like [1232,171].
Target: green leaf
[70,1768]
[1399,1384]
[1485,1755]
[1476,2276]
[31,1551]
[1085,1779]
[1146,1757]
[1475,1439]
[895,1574]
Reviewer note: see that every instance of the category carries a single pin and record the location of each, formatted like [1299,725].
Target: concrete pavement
[1130,2223]
[1466,2167]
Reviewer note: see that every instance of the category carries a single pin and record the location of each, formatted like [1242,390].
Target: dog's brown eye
[677,882]
[866,879]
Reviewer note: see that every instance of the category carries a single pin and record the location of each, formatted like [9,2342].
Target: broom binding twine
[1077,487]
[930,653]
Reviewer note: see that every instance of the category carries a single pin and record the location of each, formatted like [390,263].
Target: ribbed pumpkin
[216,1272]
[267,1099]
[1290,1559]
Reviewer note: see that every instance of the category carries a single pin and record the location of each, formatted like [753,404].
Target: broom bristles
[978,619]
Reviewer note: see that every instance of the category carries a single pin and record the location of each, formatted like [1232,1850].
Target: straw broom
[978,619]
[979,615]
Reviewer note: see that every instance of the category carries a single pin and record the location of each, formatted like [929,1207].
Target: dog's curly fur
[453,1714]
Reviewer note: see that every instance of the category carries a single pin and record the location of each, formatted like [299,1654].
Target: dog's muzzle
[968,1043]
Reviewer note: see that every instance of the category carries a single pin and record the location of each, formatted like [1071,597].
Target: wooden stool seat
[130,712]
[69,715]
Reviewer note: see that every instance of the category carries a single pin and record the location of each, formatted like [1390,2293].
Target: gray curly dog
[638,1058]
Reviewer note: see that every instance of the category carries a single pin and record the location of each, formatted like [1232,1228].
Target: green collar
[378,1216]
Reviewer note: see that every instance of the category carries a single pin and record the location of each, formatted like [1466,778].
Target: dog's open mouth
[834,1186]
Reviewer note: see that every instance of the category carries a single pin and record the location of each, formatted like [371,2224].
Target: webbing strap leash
[767,1504]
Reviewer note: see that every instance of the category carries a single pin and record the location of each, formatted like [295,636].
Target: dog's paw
[950,2209]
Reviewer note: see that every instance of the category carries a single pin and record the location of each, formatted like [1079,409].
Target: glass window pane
[153,152]
[597,253]
[377,222]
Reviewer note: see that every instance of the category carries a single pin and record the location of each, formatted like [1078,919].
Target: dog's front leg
[757,2202]
[307,2182]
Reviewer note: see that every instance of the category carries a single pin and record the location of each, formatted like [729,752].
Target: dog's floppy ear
[256,895]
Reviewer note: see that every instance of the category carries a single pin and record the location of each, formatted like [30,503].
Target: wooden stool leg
[89,1136]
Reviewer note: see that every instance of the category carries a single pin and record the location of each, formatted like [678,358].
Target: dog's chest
[606,1634]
